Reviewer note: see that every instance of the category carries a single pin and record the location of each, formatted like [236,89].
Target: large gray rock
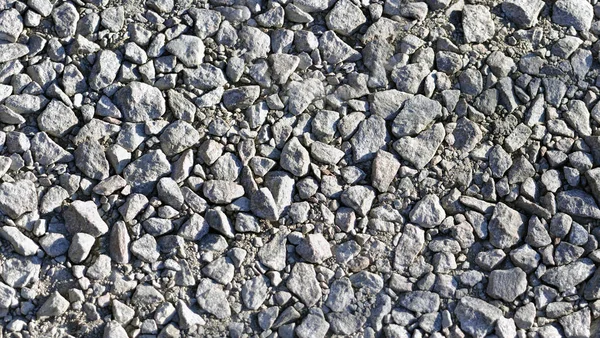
[304,284]
[140,102]
[506,227]
[54,306]
[143,173]
[11,25]
[57,119]
[295,158]
[577,203]
[345,17]
[428,212]
[83,217]
[273,254]
[507,284]
[419,150]
[421,301]
[212,299]
[478,25]
[177,137]
[90,158]
[573,13]
[416,115]
[370,137]
[188,49]
[523,12]
[476,317]
[105,69]
[18,198]
[568,276]
[22,244]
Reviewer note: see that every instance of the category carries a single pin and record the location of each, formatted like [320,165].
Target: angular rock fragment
[143,173]
[83,217]
[18,198]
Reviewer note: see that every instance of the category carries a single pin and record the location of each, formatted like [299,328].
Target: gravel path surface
[299,168]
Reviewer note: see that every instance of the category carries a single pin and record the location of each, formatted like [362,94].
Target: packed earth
[299,168]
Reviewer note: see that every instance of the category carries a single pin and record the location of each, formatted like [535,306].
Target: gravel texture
[299,168]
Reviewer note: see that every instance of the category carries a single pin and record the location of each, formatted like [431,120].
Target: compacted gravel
[299,168]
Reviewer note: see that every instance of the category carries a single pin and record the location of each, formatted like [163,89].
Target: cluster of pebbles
[299,168]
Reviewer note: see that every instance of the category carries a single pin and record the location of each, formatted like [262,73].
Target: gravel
[304,168]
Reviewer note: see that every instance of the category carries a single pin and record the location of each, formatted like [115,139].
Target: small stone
[54,306]
[22,244]
[383,172]
[295,158]
[428,212]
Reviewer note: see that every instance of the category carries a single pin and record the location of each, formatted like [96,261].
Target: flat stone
[507,284]
[18,198]
[303,283]
[577,203]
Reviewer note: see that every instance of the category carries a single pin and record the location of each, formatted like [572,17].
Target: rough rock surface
[299,168]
